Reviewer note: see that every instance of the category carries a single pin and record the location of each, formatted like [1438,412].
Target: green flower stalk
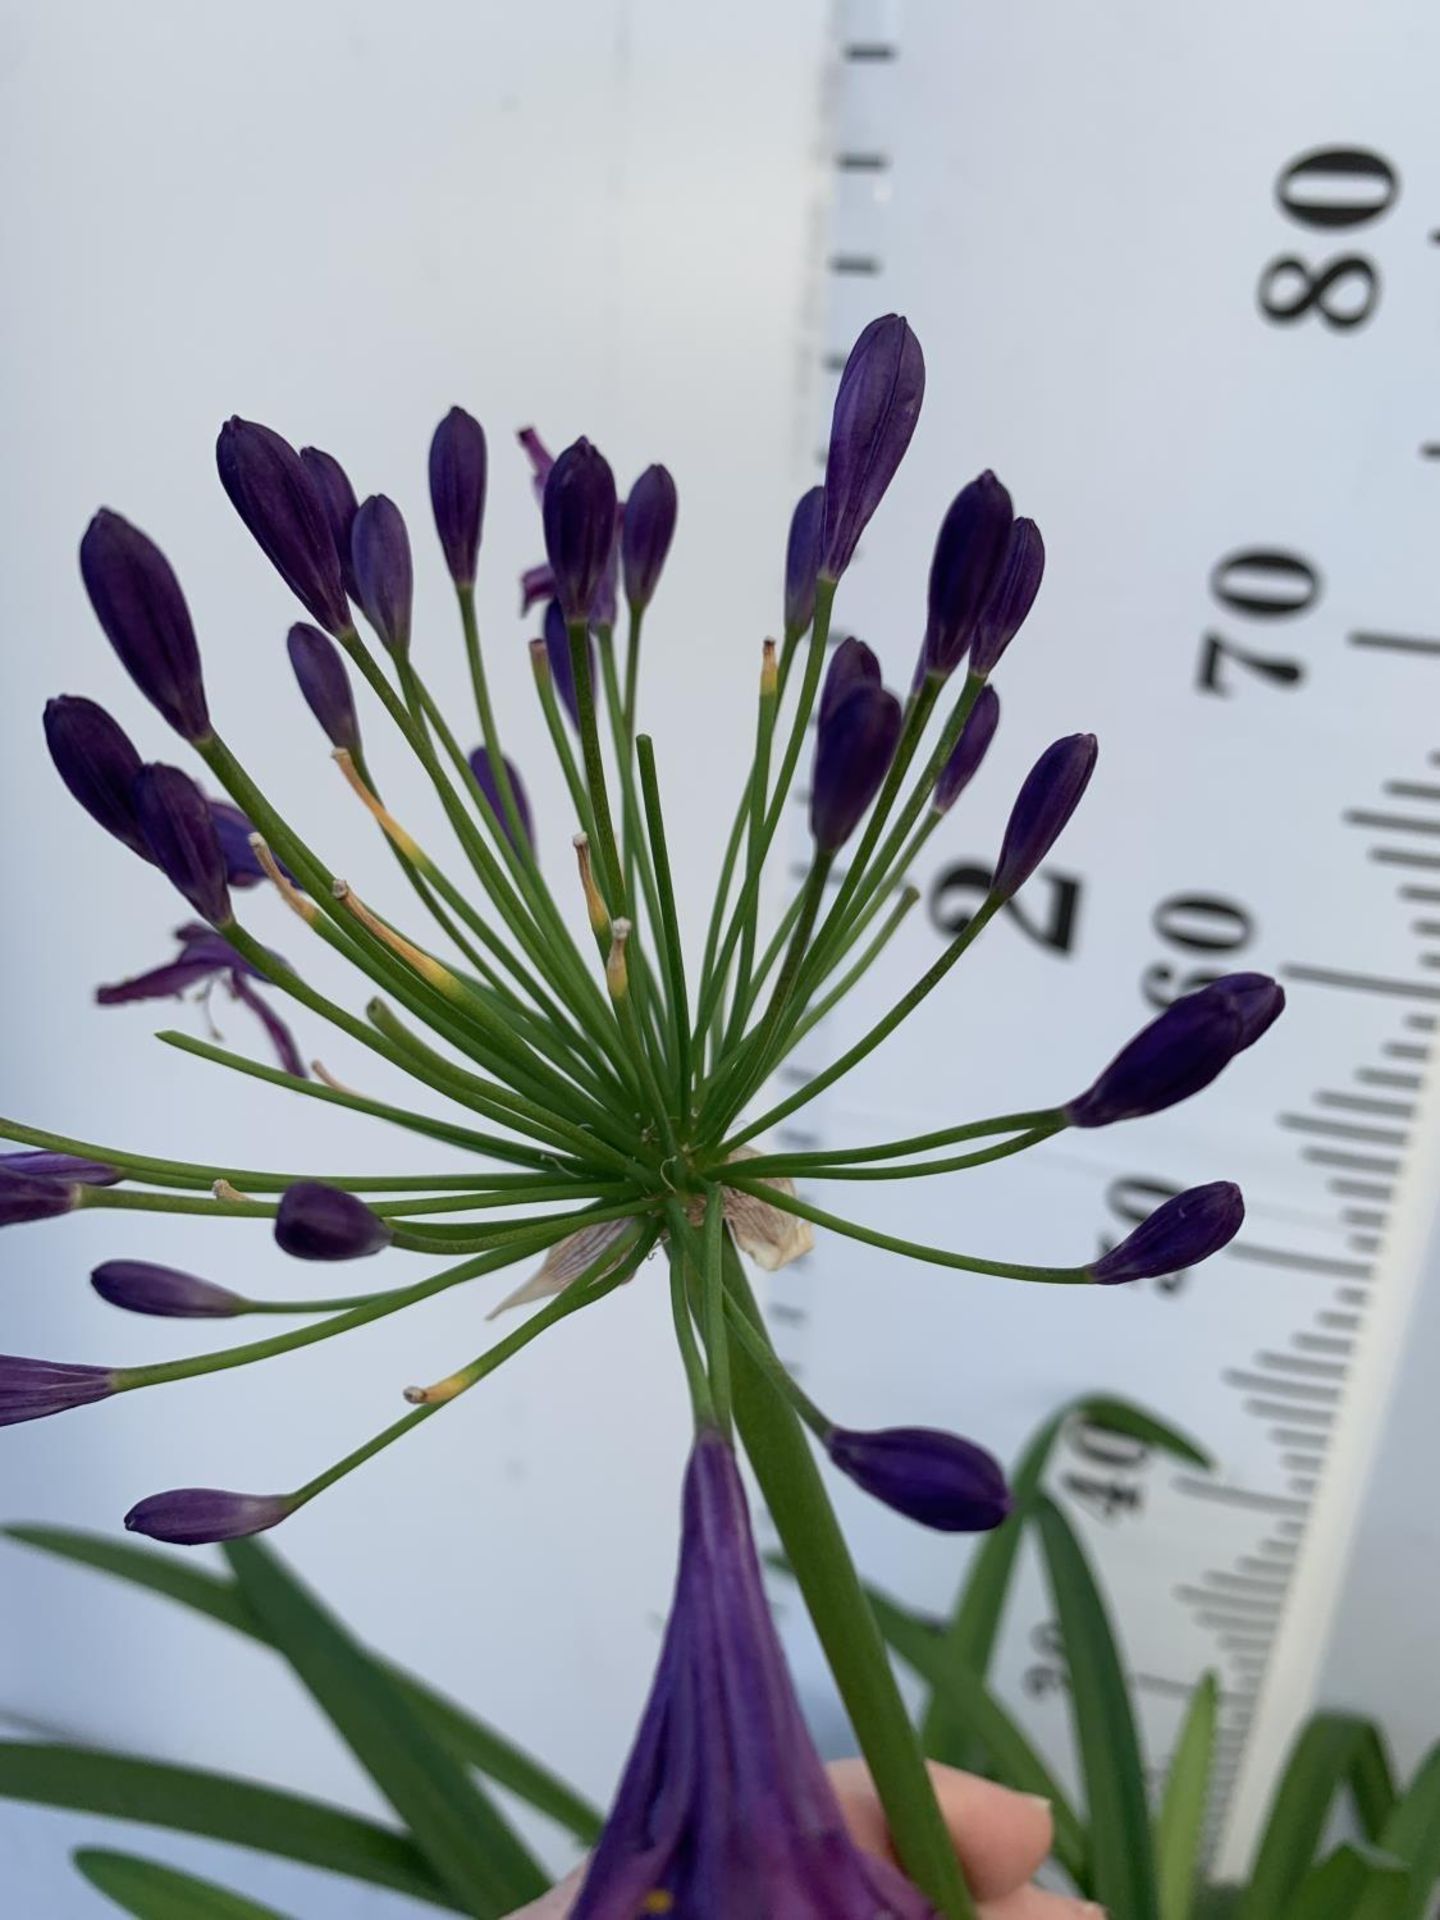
[604,1084]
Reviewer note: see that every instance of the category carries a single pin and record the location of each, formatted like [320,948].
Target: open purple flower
[970,750]
[802,560]
[1181,1233]
[319,1222]
[485,779]
[458,465]
[275,493]
[41,1163]
[937,1478]
[384,574]
[138,602]
[139,1286]
[876,407]
[98,762]
[1181,1051]
[337,497]
[206,957]
[34,1389]
[724,1807]
[198,1516]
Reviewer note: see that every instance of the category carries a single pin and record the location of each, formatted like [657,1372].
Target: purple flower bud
[648,530]
[337,497]
[1011,597]
[606,604]
[96,759]
[33,1389]
[141,1287]
[233,830]
[562,667]
[802,560]
[138,602]
[41,1163]
[540,457]
[175,818]
[1184,1231]
[1052,791]
[484,773]
[970,749]
[32,1196]
[457,491]
[198,1516]
[851,665]
[316,1222]
[278,498]
[969,556]
[876,408]
[325,684]
[933,1477]
[853,751]
[384,577]
[579,515]
[1181,1051]
[536,584]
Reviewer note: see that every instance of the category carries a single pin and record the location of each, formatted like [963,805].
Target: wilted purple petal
[197,1516]
[540,457]
[536,584]
[205,956]
[138,602]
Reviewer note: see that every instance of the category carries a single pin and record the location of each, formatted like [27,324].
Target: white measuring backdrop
[1179,283]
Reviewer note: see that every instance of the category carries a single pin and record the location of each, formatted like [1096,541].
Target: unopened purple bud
[138,602]
[1181,1233]
[1052,791]
[34,1389]
[96,759]
[384,576]
[802,560]
[233,830]
[175,818]
[42,1163]
[1181,1051]
[198,1516]
[277,497]
[579,516]
[484,772]
[852,665]
[325,684]
[562,667]
[316,1222]
[605,606]
[337,497]
[853,750]
[936,1478]
[458,464]
[141,1287]
[1011,598]
[969,556]
[970,749]
[31,1196]
[648,530]
[876,408]
[540,457]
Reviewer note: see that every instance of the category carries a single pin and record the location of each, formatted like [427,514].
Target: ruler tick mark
[1362,982]
[1365,1103]
[1394,642]
[1344,1129]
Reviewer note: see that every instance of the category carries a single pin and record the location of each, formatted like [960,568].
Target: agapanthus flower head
[562,667]
[98,762]
[34,1389]
[802,560]
[338,498]
[26,1195]
[1180,1233]
[199,1516]
[140,1286]
[458,467]
[724,1807]
[484,772]
[138,602]
[1181,1050]
[319,1222]
[204,958]
[41,1163]
[937,1478]
[1052,790]
[578,511]
[969,555]
[384,574]
[646,533]
[321,676]
[970,750]
[876,408]
[179,830]
[854,745]
[1011,597]
[276,494]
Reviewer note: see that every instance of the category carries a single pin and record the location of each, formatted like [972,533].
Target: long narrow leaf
[1333,1889]
[219,1599]
[1333,1751]
[221,1807]
[150,1891]
[1009,1755]
[1180,1829]
[468,1842]
[1412,1834]
[1121,1851]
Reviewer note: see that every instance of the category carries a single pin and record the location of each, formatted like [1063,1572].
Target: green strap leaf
[1180,1830]
[1333,1889]
[1009,1755]
[1121,1851]
[468,1842]
[471,1739]
[1412,1834]
[221,1807]
[1333,1751]
[150,1891]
